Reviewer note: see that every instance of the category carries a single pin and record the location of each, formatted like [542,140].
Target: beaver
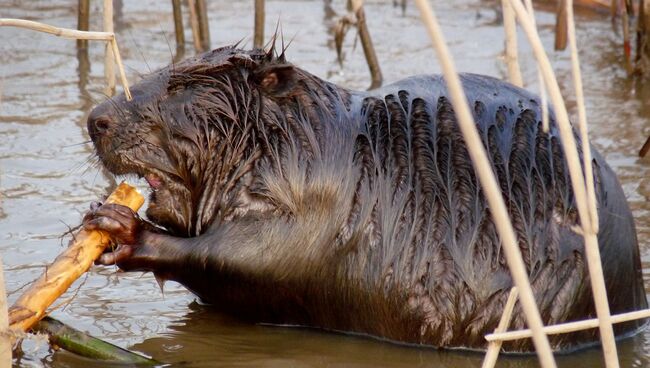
[281,198]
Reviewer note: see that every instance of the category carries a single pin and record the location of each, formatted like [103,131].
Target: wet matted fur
[282,198]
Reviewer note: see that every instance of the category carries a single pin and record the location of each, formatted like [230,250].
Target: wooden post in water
[258,38]
[642,59]
[109,69]
[83,20]
[366,42]
[627,44]
[5,339]
[204,27]
[194,23]
[645,149]
[560,26]
[178,26]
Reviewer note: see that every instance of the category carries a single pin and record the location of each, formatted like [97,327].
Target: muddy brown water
[48,177]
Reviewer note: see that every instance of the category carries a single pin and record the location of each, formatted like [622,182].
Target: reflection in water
[205,338]
[46,180]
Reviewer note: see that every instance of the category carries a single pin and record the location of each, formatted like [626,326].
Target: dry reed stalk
[494,347]
[512,58]
[542,87]
[627,44]
[582,114]
[60,32]
[642,152]
[178,25]
[120,66]
[258,37]
[109,70]
[642,57]
[560,26]
[366,41]
[74,34]
[562,328]
[74,261]
[579,189]
[83,21]
[5,333]
[489,184]
[204,29]
[194,24]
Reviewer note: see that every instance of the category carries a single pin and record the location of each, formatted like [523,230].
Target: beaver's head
[190,131]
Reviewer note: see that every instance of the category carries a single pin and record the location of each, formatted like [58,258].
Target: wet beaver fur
[282,198]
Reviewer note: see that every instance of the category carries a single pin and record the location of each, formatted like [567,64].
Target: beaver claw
[125,228]
[119,221]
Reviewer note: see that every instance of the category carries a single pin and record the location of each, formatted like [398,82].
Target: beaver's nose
[99,124]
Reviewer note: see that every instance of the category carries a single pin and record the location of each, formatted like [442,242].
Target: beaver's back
[432,245]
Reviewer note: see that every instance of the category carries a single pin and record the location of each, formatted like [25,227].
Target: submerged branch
[87,346]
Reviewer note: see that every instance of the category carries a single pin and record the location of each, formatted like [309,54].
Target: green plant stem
[85,345]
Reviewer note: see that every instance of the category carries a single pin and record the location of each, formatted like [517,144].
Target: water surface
[48,176]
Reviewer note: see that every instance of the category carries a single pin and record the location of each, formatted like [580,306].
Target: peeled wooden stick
[85,248]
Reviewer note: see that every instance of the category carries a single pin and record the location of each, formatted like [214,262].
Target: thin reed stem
[489,184]
[578,184]
[494,347]
[109,69]
[512,58]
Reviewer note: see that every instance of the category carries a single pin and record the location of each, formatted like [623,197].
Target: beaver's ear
[276,80]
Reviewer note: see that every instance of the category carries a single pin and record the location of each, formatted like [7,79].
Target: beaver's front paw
[125,228]
[120,222]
